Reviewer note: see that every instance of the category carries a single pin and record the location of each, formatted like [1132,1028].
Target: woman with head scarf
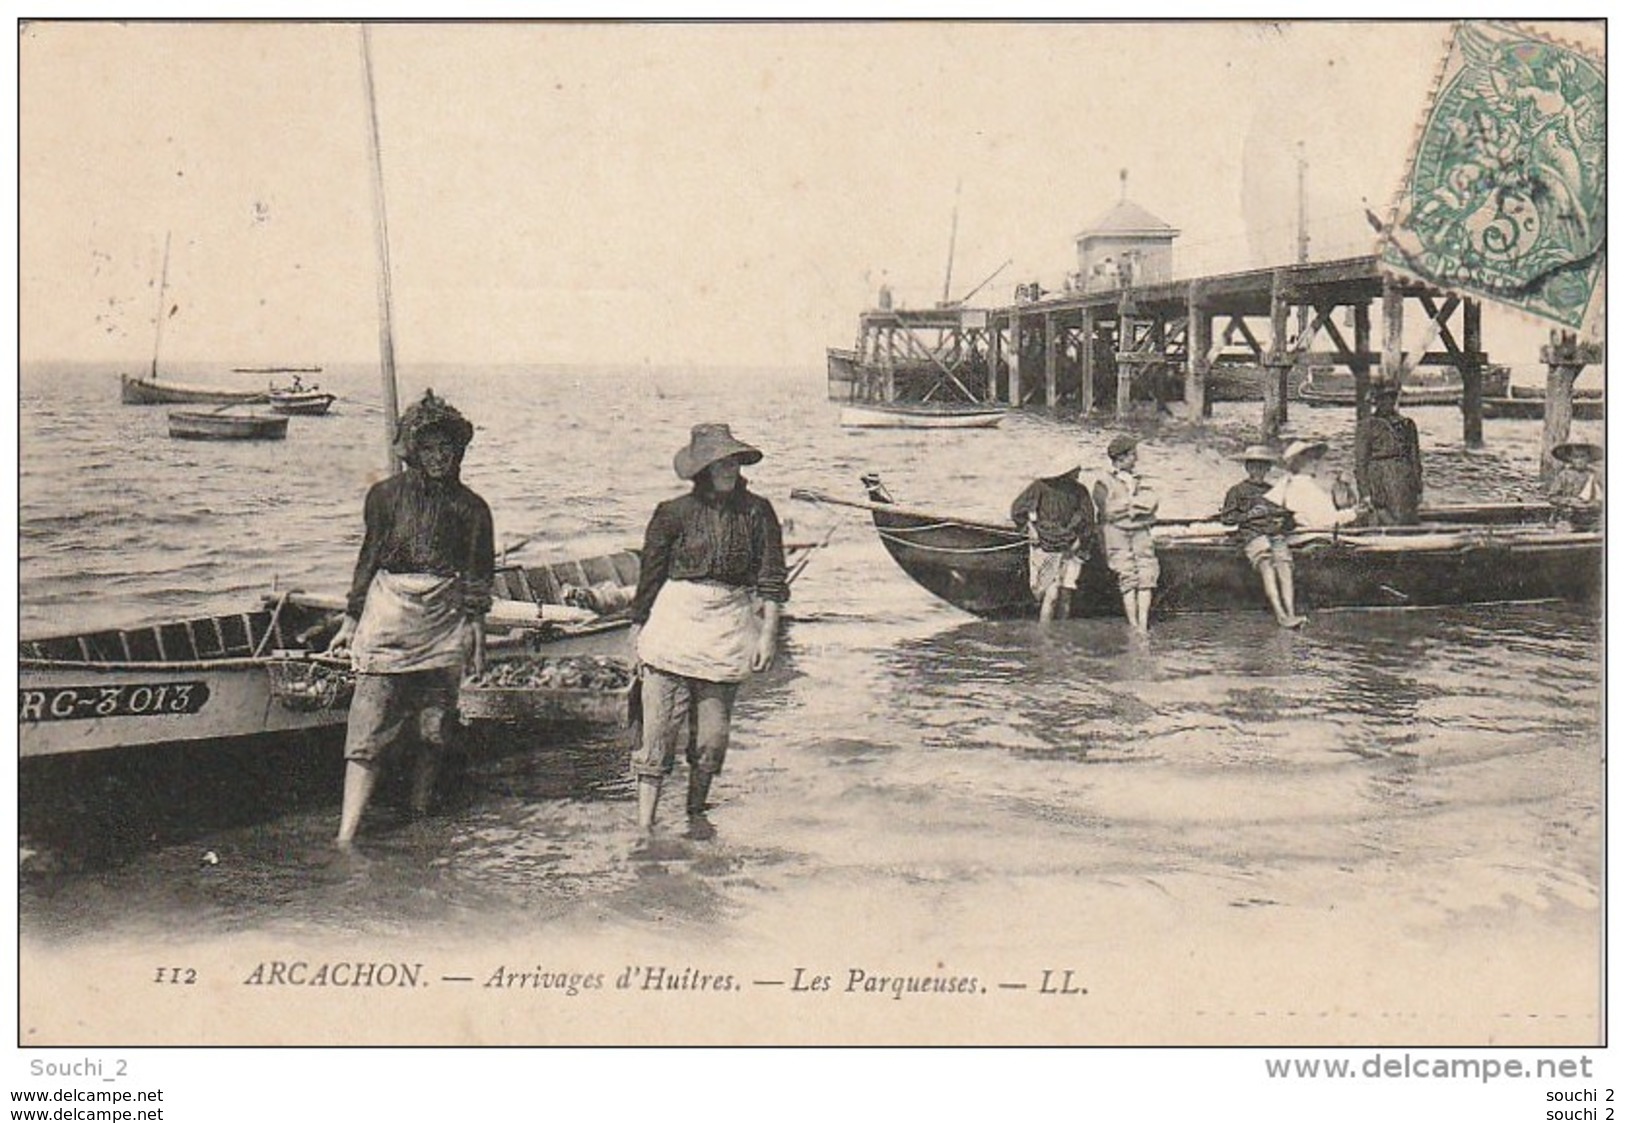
[710,586]
[417,606]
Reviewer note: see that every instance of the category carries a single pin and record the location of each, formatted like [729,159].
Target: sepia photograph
[813,533]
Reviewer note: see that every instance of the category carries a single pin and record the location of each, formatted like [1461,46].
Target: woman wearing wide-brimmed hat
[706,614]
[417,605]
[1312,506]
[1059,517]
[1261,529]
[1575,490]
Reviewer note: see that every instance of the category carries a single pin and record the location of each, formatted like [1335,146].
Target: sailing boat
[137,391]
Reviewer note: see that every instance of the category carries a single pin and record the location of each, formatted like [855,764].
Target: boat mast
[953,234]
[380,225]
[163,288]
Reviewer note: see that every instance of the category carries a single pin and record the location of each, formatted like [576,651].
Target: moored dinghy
[153,391]
[307,403]
[919,415]
[217,425]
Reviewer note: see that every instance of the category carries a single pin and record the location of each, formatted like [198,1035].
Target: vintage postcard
[810,533]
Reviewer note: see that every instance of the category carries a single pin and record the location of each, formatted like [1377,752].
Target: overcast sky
[661,193]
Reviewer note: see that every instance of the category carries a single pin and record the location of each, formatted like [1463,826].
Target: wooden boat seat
[545,583]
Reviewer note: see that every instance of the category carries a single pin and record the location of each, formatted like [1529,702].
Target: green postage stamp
[1505,196]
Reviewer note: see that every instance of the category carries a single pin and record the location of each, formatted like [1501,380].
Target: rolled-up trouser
[687,712]
[1132,555]
[383,704]
[1264,549]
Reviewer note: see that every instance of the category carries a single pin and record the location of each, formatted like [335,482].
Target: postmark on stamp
[1505,195]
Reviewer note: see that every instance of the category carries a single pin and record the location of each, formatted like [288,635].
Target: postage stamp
[1505,195]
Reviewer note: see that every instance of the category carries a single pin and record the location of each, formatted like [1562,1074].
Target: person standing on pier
[417,607]
[1059,519]
[711,583]
[1261,528]
[1388,461]
[1127,508]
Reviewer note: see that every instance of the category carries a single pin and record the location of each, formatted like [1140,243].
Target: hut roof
[1128,218]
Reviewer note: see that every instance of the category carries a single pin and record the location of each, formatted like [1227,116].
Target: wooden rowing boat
[217,426]
[1524,407]
[1459,555]
[193,679]
[1443,387]
[223,677]
[899,415]
[152,391]
[307,403]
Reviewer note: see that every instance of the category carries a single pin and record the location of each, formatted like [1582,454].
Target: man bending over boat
[417,606]
[1128,508]
[1059,519]
[1261,528]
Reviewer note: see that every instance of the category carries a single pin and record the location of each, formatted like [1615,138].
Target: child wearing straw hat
[1059,519]
[1575,490]
[1261,528]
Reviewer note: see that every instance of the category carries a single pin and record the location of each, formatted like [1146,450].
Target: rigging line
[952,549]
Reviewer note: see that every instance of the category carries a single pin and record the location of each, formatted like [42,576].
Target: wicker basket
[546,704]
[306,685]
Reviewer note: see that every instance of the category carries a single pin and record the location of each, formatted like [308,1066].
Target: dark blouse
[1062,511]
[734,539]
[1242,510]
[418,525]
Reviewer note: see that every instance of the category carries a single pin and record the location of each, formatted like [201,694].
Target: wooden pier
[1057,350]
[1124,331]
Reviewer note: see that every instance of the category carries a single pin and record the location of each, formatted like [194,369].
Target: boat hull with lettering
[249,674]
[195,679]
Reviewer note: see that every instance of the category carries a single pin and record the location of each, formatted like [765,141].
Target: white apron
[411,622]
[701,629]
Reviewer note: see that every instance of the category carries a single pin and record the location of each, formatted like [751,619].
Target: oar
[807,556]
[503,614]
[807,495]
